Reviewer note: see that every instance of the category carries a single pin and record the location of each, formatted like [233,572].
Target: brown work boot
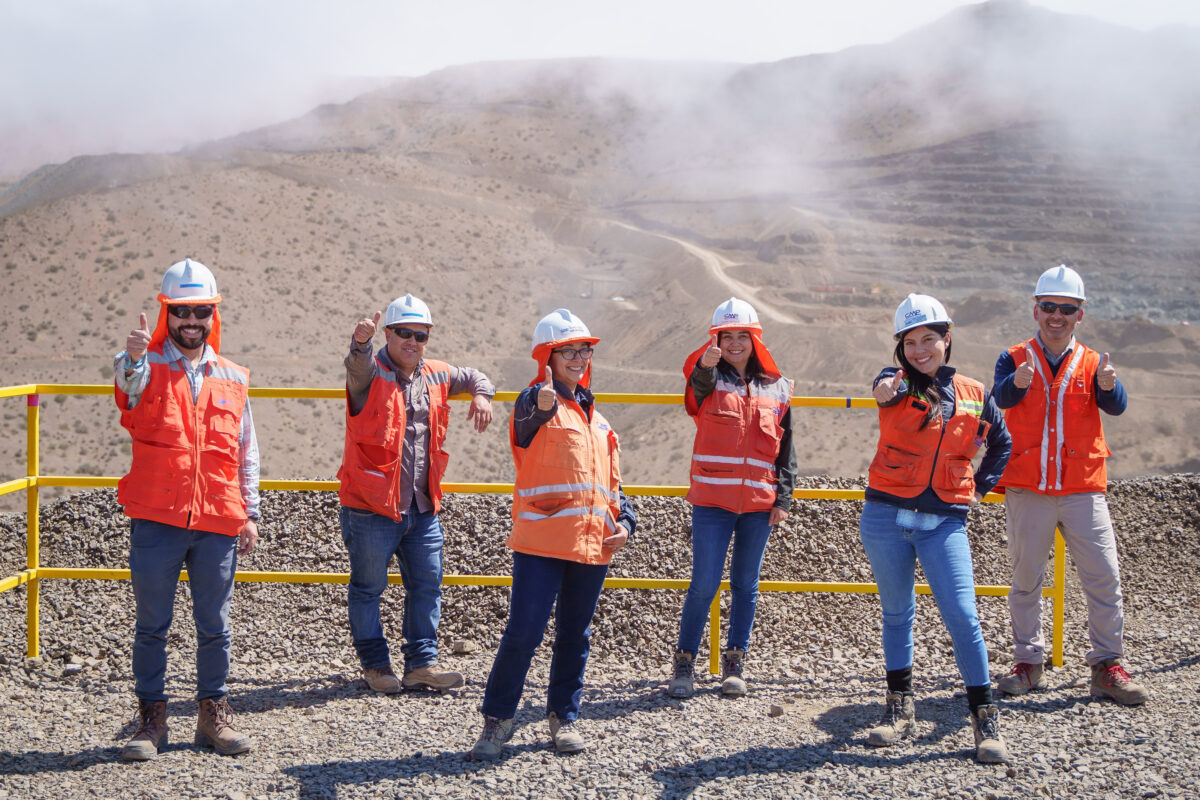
[151,736]
[426,678]
[989,745]
[215,728]
[732,683]
[1109,679]
[382,680]
[682,683]
[899,721]
[565,735]
[1024,678]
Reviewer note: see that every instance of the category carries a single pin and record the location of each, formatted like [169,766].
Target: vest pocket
[1085,467]
[896,466]
[957,476]
[222,428]
[564,448]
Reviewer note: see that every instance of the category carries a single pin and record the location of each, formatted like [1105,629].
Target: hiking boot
[1023,679]
[1109,679]
[382,680]
[215,729]
[899,721]
[567,739]
[683,681]
[426,678]
[989,747]
[732,684]
[151,736]
[495,733]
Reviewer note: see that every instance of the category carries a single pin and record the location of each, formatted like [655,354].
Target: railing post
[32,555]
[1060,598]
[714,634]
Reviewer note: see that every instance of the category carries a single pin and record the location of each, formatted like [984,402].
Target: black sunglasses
[408,333]
[1067,309]
[199,312]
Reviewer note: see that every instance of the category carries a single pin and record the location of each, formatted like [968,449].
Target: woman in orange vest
[569,518]
[743,470]
[932,422]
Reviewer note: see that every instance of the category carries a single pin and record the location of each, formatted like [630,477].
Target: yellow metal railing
[33,573]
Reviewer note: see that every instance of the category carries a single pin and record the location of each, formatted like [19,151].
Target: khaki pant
[1087,529]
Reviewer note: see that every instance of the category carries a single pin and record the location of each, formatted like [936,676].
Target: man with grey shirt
[191,495]
[397,412]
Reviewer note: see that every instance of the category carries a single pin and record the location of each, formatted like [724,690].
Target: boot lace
[894,711]
[989,725]
[684,668]
[1117,676]
[733,665]
[1022,671]
[491,729]
[222,715]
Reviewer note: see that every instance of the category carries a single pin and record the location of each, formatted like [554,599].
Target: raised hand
[546,396]
[886,390]
[712,355]
[1024,374]
[364,331]
[138,339]
[1106,374]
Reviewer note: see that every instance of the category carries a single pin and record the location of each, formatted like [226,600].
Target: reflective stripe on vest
[186,453]
[371,470]
[566,497]
[738,435]
[1057,434]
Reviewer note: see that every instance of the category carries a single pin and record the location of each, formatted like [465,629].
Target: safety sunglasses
[1067,309]
[408,333]
[199,312]
[571,355]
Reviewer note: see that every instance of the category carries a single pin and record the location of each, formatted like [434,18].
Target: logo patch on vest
[603,426]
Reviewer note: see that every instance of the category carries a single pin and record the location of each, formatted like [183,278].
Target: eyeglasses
[1067,309]
[408,333]
[571,355]
[199,312]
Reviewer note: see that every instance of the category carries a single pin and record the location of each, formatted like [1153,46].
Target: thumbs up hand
[138,339]
[364,331]
[1106,374]
[886,390]
[546,396]
[712,355]
[1024,374]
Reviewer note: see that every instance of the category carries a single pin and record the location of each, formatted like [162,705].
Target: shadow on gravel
[323,780]
[39,762]
[249,697]
[850,722]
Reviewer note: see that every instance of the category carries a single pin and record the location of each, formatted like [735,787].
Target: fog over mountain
[960,159]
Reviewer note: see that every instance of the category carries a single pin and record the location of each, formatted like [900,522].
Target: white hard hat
[1060,281]
[407,309]
[918,310]
[734,313]
[560,326]
[189,280]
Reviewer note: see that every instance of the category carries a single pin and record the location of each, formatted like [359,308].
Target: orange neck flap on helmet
[765,359]
[160,329]
[541,354]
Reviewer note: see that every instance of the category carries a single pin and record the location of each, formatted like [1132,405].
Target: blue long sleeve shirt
[1008,394]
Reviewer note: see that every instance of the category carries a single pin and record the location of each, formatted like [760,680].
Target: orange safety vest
[566,498]
[186,454]
[910,458]
[737,441]
[1058,442]
[370,471]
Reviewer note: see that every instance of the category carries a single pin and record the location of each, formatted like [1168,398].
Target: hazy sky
[138,75]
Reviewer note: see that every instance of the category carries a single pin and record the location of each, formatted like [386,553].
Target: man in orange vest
[191,495]
[394,459]
[1054,389]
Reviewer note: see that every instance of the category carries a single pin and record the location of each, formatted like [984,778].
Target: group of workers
[192,498]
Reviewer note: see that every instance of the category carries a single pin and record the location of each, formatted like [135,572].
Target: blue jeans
[893,546]
[712,530]
[416,541]
[157,553]
[539,584]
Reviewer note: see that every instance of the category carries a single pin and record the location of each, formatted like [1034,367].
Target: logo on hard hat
[732,316]
[915,314]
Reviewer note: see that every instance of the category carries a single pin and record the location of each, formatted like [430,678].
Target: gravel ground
[815,669]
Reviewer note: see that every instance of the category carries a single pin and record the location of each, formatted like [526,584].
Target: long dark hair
[921,385]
